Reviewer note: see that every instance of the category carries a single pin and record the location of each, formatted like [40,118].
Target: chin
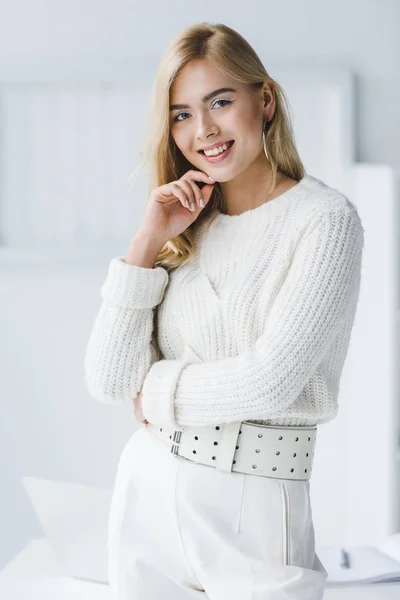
[223,177]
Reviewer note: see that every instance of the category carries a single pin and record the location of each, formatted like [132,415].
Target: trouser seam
[285,503]
[241,505]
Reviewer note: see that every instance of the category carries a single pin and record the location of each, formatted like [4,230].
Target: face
[201,119]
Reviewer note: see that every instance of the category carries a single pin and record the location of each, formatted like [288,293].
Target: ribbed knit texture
[255,327]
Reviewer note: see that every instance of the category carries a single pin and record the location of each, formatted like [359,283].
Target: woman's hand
[138,409]
[167,213]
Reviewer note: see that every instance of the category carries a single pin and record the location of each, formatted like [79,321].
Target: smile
[217,155]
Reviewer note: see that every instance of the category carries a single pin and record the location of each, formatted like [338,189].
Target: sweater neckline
[276,204]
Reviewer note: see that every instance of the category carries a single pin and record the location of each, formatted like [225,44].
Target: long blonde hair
[228,51]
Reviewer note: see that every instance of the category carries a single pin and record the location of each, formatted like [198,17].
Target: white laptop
[74,518]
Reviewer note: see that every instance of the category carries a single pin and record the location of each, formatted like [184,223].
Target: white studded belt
[264,450]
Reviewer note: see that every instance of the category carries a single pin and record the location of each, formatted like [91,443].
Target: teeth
[216,151]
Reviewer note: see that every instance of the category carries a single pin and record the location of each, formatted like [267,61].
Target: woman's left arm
[320,290]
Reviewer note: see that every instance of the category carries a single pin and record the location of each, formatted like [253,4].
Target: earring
[264,142]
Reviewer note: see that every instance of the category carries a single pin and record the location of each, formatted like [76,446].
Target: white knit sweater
[256,327]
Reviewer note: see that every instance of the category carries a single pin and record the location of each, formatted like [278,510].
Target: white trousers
[184,531]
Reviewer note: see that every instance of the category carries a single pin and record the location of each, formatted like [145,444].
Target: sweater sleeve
[319,292]
[120,349]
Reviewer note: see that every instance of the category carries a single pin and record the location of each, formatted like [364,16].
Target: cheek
[252,125]
[182,141]
[253,136]
[247,127]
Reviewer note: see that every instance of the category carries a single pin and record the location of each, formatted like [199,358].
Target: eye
[228,101]
[185,113]
[178,115]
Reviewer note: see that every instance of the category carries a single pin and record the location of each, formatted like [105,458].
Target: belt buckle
[176,442]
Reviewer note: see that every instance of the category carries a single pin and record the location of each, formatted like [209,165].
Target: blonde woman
[226,325]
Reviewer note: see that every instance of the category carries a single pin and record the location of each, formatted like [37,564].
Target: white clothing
[184,531]
[255,327]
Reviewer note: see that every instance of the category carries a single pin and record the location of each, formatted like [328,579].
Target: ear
[269,101]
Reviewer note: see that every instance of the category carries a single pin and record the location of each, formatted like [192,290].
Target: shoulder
[322,203]
[320,196]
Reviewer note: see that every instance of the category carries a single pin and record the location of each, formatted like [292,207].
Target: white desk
[34,574]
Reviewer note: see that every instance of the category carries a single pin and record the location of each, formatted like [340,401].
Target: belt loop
[227,446]
[176,440]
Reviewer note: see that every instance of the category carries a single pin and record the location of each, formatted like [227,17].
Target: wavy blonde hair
[228,51]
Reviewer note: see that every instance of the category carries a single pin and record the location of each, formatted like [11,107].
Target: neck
[249,189]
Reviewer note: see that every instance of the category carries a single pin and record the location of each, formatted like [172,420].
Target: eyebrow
[205,99]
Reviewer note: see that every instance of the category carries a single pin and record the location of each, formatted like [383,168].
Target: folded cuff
[132,286]
[158,393]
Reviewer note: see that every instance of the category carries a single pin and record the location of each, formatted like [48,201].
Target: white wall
[361,34]
[60,39]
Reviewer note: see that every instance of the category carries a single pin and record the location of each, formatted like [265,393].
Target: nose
[205,127]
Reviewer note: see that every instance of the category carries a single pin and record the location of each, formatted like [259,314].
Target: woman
[227,325]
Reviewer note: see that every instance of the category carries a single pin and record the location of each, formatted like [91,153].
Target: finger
[168,191]
[198,176]
[180,194]
[198,193]
[186,185]
[206,192]
[165,190]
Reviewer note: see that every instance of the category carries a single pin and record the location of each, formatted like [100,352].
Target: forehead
[199,77]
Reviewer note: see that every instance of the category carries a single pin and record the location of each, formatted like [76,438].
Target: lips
[229,145]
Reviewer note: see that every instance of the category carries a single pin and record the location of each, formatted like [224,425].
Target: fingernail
[202,203]
[210,178]
[192,206]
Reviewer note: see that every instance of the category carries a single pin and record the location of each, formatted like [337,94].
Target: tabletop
[34,574]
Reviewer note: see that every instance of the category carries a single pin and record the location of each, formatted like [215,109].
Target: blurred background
[75,81]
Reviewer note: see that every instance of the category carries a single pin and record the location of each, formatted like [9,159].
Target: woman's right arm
[120,350]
